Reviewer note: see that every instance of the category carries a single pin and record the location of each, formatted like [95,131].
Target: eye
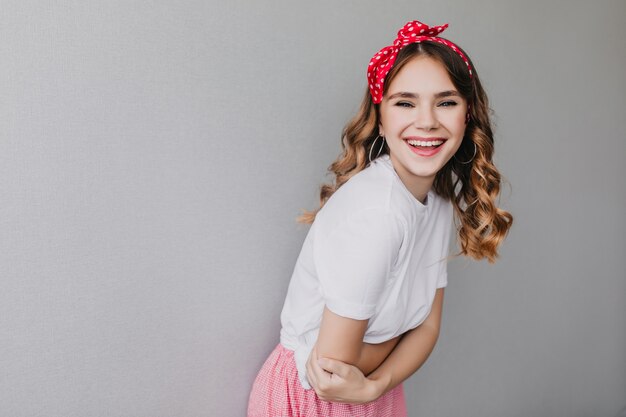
[404,104]
[448,103]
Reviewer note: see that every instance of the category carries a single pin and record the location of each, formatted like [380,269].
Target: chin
[428,171]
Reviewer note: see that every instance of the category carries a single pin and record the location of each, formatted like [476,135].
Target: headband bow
[412,32]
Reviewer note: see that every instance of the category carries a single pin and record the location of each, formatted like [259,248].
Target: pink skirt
[277,392]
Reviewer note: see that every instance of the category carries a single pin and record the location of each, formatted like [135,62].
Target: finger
[309,376]
[311,373]
[333,366]
[318,378]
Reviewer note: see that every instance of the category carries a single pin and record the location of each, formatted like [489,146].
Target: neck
[419,193]
[417,186]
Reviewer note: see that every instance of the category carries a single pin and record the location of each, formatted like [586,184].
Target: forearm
[338,381]
[407,357]
[341,338]
[372,355]
[341,382]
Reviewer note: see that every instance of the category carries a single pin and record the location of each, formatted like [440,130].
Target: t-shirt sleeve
[354,261]
[448,223]
[442,280]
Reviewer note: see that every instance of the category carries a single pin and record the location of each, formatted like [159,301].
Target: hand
[337,381]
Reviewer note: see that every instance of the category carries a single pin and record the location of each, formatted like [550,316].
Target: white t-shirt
[373,252]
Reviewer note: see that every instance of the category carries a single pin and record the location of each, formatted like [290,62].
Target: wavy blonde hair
[472,187]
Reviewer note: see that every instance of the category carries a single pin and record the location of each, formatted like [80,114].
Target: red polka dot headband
[412,32]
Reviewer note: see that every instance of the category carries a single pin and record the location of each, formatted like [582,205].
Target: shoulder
[365,201]
[372,189]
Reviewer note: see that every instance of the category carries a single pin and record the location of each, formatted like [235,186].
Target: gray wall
[154,156]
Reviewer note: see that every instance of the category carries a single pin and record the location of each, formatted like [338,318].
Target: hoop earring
[470,160]
[382,145]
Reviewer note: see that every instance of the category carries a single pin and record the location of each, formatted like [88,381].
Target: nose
[425,118]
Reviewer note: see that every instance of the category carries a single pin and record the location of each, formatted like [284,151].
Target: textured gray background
[154,156]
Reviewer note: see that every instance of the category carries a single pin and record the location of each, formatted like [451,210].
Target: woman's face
[422,117]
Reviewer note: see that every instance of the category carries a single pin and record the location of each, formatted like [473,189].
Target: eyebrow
[405,94]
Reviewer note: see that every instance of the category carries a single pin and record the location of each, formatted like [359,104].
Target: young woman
[364,303]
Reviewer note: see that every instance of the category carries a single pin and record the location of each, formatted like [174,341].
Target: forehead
[421,75]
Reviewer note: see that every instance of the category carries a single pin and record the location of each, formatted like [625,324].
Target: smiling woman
[469,180]
[363,309]
[423,122]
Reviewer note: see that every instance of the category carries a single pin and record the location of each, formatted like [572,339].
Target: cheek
[462,126]
[457,124]
[457,145]
[398,121]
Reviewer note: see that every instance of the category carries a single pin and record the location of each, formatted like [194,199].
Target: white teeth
[423,143]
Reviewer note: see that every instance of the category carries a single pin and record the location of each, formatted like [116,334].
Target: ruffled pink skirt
[277,393]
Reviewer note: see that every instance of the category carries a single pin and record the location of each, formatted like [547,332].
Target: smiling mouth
[425,144]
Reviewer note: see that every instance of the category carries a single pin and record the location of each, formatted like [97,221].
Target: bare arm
[341,338]
[412,351]
[375,354]
[341,382]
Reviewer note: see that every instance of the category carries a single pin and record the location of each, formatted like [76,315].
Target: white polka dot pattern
[412,32]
